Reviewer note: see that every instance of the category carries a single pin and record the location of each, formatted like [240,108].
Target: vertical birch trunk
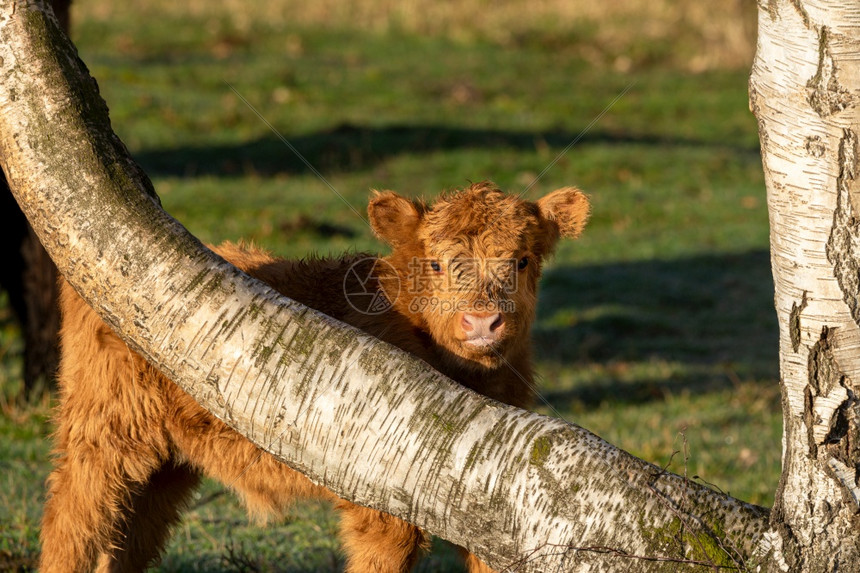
[804,92]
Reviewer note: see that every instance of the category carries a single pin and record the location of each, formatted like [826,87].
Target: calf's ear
[393,218]
[567,210]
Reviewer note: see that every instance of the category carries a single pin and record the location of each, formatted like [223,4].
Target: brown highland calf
[459,290]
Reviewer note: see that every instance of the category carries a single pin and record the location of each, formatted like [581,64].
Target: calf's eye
[522,263]
[435,266]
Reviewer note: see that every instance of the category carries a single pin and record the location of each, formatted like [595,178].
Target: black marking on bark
[794,322]
[791,551]
[826,95]
[844,240]
[838,425]
[815,146]
[807,21]
[823,374]
[842,441]
[809,421]
[772,8]
[823,370]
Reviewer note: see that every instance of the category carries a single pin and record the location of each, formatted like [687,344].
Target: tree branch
[503,482]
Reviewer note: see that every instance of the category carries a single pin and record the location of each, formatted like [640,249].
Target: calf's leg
[154,512]
[377,542]
[102,509]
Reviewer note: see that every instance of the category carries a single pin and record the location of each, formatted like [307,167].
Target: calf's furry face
[468,264]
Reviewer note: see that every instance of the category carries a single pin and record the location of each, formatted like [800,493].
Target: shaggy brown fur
[131,446]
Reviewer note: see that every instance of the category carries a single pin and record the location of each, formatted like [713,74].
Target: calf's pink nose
[483,324]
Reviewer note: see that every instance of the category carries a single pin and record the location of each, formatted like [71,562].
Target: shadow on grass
[350,147]
[711,314]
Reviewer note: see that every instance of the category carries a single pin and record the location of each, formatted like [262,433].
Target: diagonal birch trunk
[522,491]
[804,91]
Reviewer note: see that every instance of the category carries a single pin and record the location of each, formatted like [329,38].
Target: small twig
[711,485]
[665,469]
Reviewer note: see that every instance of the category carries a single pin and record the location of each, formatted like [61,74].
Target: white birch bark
[376,426]
[804,91]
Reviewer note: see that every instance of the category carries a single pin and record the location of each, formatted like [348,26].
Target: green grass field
[656,330]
